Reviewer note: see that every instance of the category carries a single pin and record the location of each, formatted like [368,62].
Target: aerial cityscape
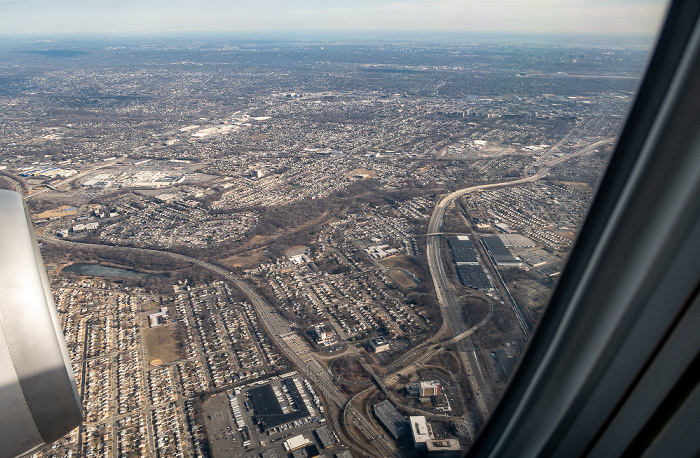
[299,248]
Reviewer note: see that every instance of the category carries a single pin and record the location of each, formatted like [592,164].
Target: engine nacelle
[39,401]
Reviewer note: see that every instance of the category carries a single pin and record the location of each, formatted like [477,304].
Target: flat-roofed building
[322,335]
[429,388]
[474,276]
[379,344]
[499,253]
[550,271]
[296,442]
[413,389]
[270,453]
[463,250]
[420,431]
[392,420]
[159,318]
[310,451]
[516,241]
[446,448]
[381,251]
[325,437]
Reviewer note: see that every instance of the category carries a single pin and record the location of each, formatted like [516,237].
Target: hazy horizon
[77,17]
[28,42]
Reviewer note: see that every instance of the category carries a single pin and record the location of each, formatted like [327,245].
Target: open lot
[59,212]
[219,424]
[245,261]
[162,344]
[402,263]
[369,173]
[401,279]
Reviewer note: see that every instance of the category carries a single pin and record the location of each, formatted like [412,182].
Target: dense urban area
[302,248]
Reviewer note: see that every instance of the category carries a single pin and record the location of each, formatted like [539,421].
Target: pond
[98,270]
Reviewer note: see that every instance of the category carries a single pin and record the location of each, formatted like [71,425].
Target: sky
[640,17]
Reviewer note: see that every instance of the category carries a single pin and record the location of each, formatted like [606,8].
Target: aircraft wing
[39,399]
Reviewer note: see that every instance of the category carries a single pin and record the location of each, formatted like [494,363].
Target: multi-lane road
[294,348]
[299,353]
[451,314]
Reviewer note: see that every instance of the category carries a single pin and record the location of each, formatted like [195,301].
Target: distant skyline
[626,17]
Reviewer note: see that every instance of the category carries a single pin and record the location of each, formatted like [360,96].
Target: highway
[294,348]
[451,315]
[430,349]
[300,354]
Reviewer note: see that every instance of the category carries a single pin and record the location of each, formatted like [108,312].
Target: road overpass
[452,317]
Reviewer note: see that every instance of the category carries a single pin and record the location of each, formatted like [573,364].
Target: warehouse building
[296,442]
[474,277]
[392,420]
[326,438]
[500,255]
[516,241]
[463,250]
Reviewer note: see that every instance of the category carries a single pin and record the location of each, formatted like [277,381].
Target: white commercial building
[379,345]
[429,388]
[296,442]
[420,431]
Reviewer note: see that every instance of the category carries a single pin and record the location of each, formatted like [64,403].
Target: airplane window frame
[563,399]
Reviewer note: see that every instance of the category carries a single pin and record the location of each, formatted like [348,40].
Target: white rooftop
[419,429]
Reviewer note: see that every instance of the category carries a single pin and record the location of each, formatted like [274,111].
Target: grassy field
[571,235]
[400,261]
[58,212]
[401,279]
[246,261]
[476,308]
[162,344]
